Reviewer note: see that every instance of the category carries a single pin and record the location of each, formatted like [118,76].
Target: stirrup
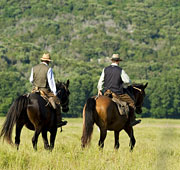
[62,123]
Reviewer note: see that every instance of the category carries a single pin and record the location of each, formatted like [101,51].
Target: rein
[137,89]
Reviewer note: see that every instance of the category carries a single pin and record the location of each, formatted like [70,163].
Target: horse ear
[67,83]
[145,85]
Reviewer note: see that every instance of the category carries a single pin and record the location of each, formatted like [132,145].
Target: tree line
[81,37]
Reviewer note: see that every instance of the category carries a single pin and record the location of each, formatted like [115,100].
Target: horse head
[63,95]
[139,94]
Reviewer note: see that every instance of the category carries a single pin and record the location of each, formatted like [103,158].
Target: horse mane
[59,84]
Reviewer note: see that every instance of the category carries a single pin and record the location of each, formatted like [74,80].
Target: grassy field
[157,148]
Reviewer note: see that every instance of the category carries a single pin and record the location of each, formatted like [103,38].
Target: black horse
[34,112]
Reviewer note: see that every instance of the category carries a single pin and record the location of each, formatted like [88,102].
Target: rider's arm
[51,81]
[101,83]
[125,78]
[31,76]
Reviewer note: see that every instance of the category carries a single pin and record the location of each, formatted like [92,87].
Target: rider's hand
[99,93]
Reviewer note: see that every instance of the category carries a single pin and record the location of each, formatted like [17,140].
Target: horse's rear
[102,111]
[108,114]
[39,112]
[43,119]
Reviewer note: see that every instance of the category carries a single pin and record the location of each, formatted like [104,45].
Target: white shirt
[50,77]
[125,78]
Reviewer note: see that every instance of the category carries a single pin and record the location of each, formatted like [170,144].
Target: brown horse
[34,112]
[103,111]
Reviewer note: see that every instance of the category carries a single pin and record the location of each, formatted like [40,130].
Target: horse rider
[42,78]
[114,78]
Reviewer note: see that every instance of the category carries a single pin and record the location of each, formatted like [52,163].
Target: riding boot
[59,118]
[133,120]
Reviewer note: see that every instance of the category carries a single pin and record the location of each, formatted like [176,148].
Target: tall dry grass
[157,148]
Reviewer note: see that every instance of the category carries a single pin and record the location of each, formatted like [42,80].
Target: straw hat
[115,57]
[46,57]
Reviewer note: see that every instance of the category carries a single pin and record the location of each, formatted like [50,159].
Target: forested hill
[81,35]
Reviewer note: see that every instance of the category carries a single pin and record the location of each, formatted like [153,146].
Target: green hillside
[81,35]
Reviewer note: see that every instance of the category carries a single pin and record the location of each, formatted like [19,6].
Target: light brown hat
[115,57]
[46,57]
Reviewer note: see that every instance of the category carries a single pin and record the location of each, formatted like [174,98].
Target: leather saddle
[44,96]
[122,106]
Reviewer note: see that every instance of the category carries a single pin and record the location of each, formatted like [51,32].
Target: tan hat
[115,57]
[46,57]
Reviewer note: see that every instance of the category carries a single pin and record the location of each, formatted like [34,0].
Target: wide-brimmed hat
[46,57]
[115,57]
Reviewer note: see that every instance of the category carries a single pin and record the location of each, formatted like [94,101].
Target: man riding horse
[114,79]
[42,78]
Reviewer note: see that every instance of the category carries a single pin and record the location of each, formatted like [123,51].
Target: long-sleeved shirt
[125,78]
[50,78]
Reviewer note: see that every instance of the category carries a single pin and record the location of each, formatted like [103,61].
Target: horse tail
[17,108]
[88,121]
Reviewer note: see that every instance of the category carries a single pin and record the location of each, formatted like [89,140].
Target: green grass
[157,148]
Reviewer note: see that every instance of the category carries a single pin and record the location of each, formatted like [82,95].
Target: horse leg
[52,138]
[129,131]
[35,138]
[103,134]
[116,137]
[18,133]
[45,139]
